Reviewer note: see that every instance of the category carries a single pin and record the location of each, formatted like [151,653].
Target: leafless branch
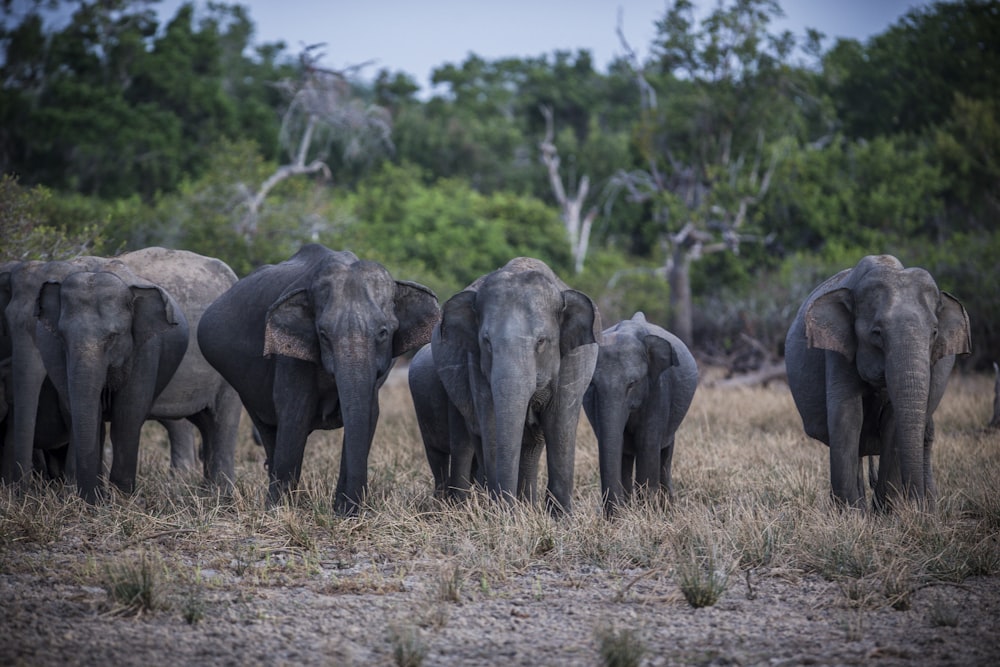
[571,206]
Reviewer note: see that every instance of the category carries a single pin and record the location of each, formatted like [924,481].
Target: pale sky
[416,36]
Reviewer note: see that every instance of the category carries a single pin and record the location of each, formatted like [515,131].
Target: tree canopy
[736,152]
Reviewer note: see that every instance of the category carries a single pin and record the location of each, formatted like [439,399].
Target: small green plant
[450,583]
[701,583]
[134,585]
[701,574]
[619,648]
[408,649]
[194,606]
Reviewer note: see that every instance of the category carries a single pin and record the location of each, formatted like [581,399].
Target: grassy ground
[751,521]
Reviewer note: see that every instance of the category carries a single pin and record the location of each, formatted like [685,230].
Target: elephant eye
[877,335]
[487,345]
[382,334]
[542,342]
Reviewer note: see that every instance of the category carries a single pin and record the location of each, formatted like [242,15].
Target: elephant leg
[219,428]
[462,447]
[647,465]
[559,427]
[666,462]
[845,417]
[532,445]
[125,435]
[930,488]
[294,420]
[183,447]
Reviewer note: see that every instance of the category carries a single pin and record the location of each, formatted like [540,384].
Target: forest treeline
[710,178]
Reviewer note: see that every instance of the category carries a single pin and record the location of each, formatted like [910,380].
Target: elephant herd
[96,346]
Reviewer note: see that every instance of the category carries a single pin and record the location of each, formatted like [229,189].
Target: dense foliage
[766,158]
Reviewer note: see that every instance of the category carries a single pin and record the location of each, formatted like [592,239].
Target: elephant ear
[5,296]
[660,355]
[954,335]
[418,312]
[290,327]
[153,312]
[48,305]
[830,323]
[455,346]
[581,324]
[47,339]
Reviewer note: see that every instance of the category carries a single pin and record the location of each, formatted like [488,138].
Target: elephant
[641,390]
[20,283]
[197,393]
[110,342]
[515,352]
[442,429]
[307,344]
[868,357]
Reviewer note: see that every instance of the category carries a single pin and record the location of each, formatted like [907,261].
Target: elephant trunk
[357,386]
[512,385]
[611,420]
[908,386]
[29,372]
[86,380]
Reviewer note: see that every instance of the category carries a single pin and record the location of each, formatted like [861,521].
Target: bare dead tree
[710,226]
[577,225]
[321,112]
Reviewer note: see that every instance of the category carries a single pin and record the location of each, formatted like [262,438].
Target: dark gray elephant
[868,358]
[641,390]
[442,429]
[51,440]
[110,341]
[515,352]
[307,343]
[20,283]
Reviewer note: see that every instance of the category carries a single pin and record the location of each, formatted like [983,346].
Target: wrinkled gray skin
[20,283]
[515,352]
[197,392]
[51,439]
[868,358]
[307,343]
[442,429]
[642,387]
[110,341]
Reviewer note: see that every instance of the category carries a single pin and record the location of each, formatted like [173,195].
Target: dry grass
[751,501]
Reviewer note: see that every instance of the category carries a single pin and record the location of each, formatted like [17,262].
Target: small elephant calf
[640,391]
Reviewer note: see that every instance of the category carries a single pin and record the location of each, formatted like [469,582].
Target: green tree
[707,155]
[905,79]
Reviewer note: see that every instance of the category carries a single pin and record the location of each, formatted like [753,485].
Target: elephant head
[110,342]
[517,349]
[351,319]
[629,397]
[900,333]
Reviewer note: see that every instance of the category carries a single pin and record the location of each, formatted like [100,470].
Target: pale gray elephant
[195,393]
[868,358]
[307,343]
[641,390]
[515,352]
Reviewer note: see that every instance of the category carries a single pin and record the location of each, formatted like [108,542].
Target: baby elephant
[641,389]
